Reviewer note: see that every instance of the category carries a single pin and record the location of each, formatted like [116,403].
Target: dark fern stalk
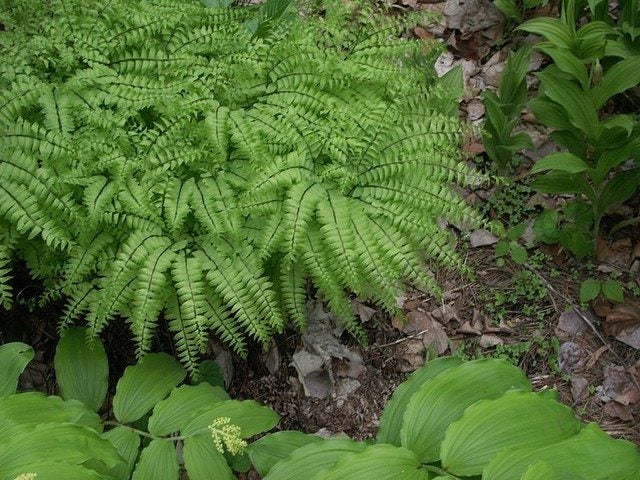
[181,159]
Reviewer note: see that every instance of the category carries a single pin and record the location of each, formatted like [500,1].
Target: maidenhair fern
[204,163]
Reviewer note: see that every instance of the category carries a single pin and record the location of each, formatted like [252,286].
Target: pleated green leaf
[562,161]
[443,399]
[158,461]
[250,416]
[270,449]
[127,443]
[14,357]
[591,454]
[517,419]
[542,471]
[203,461]
[59,442]
[82,368]
[382,462]
[391,419]
[27,410]
[145,384]
[313,460]
[48,470]
[173,413]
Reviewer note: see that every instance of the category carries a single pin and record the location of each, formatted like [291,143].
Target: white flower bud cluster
[226,435]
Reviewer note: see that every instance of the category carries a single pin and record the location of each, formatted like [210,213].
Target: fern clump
[206,162]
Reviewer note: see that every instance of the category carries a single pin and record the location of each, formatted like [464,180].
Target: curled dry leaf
[623,323]
[617,410]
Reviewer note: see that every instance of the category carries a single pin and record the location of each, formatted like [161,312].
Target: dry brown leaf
[361,310]
[618,253]
[617,410]
[628,398]
[422,33]
[622,317]
[467,328]
[417,321]
[578,387]
[446,313]
[595,356]
[601,307]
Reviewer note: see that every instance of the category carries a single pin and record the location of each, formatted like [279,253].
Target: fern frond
[292,287]
[6,293]
[298,211]
[242,289]
[116,285]
[186,312]
[149,298]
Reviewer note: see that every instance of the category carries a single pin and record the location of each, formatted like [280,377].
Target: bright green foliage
[503,110]
[65,439]
[515,9]
[477,420]
[204,163]
[82,373]
[591,64]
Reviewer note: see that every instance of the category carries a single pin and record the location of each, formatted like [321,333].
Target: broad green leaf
[566,62]
[158,461]
[576,239]
[313,460]
[622,76]
[591,454]
[589,290]
[145,384]
[619,189]
[203,462]
[250,416]
[82,368]
[391,419]
[14,357]
[562,182]
[563,162]
[546,226]
[48,470]
[443,399]
[577,104]
[572,141]
[513,86]
[517,419]
[173,413]
[613,291]
[516,231]
[239,462]
[59,442]
[127,443]
[622,122]
[270,449]
[520,141]
[382,462]
[453,82]
[552,29]
[210,372]
[27,410]
[549,113]
[509,8]
[518,253]
[542,471]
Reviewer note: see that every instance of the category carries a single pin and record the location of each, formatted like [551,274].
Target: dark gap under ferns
[205,163]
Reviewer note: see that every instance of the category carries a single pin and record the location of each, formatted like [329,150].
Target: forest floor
[529,314]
